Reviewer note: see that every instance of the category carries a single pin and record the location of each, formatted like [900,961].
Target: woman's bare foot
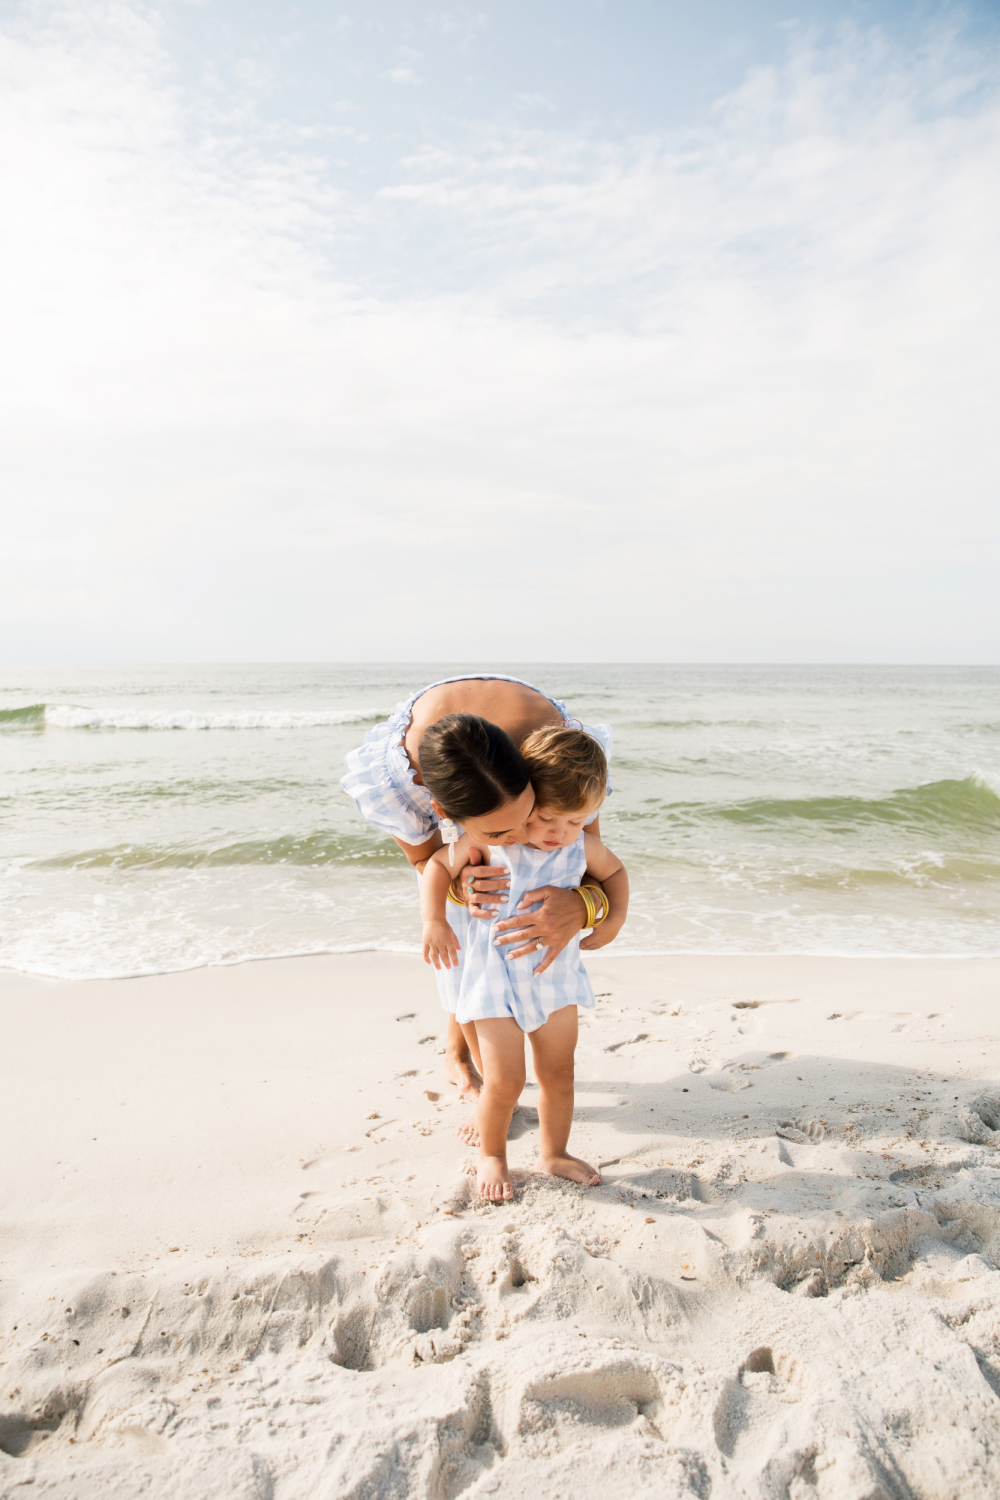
[494,1179]
[461,1071]
[571,1167]
[469,1132]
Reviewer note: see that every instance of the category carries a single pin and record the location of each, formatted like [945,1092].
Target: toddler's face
[551,828]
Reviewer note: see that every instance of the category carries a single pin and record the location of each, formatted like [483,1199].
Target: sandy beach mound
[242,1254]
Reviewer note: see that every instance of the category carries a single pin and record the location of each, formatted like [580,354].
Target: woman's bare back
[517,709]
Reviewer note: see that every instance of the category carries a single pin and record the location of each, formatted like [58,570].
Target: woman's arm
[616,889]
[611,873]
[601,862]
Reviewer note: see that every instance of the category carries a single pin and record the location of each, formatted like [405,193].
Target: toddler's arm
[609,870]
[440,944]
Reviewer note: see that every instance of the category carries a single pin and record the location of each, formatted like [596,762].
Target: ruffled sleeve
[605,737]
[380,779]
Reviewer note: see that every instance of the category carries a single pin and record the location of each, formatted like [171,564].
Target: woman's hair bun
[471,766]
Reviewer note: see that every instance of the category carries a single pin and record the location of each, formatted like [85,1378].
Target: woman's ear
[438,809]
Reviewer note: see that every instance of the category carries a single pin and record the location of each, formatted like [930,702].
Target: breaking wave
[967,805]
[66,716]
[322,848]
[30,717]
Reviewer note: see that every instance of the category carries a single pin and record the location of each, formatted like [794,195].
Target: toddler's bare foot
[462,1073]
[494,1179]
[571,1167]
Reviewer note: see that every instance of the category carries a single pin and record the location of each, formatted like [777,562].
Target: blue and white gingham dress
[380,779]
[492,986]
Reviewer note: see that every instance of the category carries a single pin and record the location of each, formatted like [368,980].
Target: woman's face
[507,824]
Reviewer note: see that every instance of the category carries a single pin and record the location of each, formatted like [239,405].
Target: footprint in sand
[621,1390]
[667,1184]
[733,1075]
[977,1121]
[802,1132]
[756,1401]
[756,1004]
[642,1036]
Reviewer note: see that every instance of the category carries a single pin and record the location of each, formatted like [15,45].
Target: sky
[500,332]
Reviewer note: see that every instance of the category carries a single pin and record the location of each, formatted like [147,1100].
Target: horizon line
[429,661]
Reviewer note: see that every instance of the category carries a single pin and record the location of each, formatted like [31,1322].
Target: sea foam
[64,716]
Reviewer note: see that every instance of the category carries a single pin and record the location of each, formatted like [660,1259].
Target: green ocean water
[156,818]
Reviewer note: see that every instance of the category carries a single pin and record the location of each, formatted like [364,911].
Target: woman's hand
[561,916]
[483,894]
[598,938]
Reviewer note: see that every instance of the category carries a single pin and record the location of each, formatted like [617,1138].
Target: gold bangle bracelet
[595,892]
[452,897]
[588,902]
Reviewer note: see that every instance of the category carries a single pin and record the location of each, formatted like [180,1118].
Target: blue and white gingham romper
[493,986]
[380,779]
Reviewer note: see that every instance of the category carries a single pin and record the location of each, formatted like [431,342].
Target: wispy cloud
[733,389]
[460,23]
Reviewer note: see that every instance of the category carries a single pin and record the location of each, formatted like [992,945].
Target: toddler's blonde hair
[568,769]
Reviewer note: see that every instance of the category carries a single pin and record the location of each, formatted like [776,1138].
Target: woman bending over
[385,779]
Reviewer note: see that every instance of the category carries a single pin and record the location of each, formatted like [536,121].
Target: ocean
[161,818]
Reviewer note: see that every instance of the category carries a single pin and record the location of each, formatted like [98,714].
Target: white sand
[240,1255]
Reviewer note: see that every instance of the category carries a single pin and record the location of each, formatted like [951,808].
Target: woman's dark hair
[471,766]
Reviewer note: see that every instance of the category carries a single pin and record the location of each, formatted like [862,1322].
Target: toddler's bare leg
[472,1042]
[553,1046]
[502,1049]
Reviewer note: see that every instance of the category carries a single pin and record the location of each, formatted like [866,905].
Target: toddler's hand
[440,945]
